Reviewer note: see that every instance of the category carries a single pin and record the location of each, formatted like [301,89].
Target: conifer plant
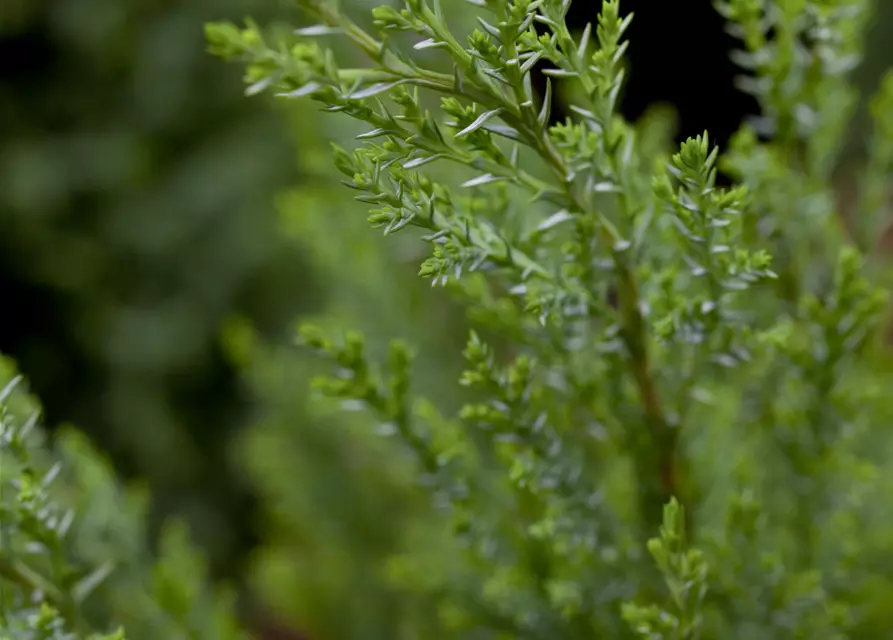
[677,413]
[74,558]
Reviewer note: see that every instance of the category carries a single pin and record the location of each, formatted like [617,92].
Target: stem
[657,466]
[657,461]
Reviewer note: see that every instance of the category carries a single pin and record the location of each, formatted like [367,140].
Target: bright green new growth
[643,335]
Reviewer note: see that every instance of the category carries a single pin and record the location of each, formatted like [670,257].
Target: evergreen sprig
[661,340]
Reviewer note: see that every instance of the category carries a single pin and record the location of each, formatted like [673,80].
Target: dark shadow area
[676,57]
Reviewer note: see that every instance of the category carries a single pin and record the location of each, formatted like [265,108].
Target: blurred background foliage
[137,214]
[160,234]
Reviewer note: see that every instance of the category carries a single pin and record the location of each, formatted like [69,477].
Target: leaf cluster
[665,339]
[74,552]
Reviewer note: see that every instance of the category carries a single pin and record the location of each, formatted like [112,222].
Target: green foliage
[685,573]
[326,573]
[74,554]
[660,337]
